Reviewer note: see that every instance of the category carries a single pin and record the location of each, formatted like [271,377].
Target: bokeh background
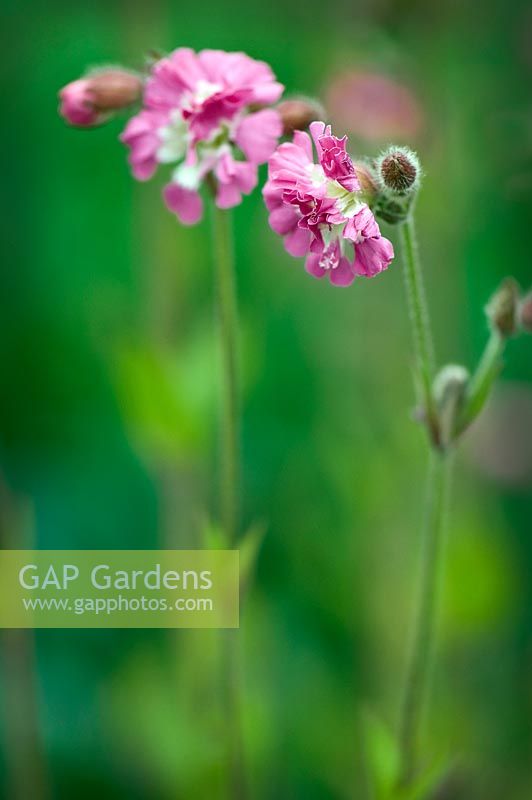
[108,409]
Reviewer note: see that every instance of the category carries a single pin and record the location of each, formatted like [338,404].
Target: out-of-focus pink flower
[91,100]
[374,107]
[200,114]
[319,210]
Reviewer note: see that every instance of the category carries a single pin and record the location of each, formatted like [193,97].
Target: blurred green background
[108,406]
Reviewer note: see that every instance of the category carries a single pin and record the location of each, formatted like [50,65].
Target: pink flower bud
[91,100]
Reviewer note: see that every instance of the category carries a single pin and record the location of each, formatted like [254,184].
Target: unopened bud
[91,100]
[502,309]
[449,389]
[525,313]
[366,179]
[297,114]
[398,171]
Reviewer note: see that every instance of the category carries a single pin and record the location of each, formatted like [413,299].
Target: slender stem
[419,664]
[418,671]
[420,322]
[482,380]
[228,328]
[229,485]
[27,769]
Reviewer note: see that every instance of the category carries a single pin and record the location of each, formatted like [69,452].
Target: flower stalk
[230,405]
[229,481]
[419,666]
[420,323]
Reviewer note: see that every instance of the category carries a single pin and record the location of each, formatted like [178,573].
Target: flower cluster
[320,211]
[205,113]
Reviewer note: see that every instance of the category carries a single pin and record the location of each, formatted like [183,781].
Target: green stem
[419,666]
[482,381]
[228,330]
[229,485]
[420,322]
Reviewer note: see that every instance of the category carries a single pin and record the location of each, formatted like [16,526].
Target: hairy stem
[419,663]
[420,323]
[482,380]
[419,666]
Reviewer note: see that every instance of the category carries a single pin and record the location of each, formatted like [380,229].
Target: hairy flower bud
[525,313]
[398,171]
[90,101]
[366,180]
[297,114]
[502,309]
[449,388]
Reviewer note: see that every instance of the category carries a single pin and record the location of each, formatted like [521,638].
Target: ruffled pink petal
[273,197]
[304,142]
[312,266]
[363,224]
[185,203]
[172,77]
[141,136]
[239,70]
[297,243]
[257,135]
[317,129]
[372,256]
[283,220]
[234,179]
[343,274]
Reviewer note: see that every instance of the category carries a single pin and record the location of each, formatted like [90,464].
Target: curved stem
[482,380]
[418,671]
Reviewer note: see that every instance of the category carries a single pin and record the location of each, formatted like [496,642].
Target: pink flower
[198,116]
[374,106]
[319,210]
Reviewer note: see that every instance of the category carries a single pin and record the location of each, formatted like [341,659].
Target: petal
[304,142]
[257,135]
[297,243]
[312,266]
[372,256]
[142,170]
[186,204]
[343,274]
[283,220]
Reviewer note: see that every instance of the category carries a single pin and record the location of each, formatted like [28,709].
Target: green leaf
[382,755]
[249,547]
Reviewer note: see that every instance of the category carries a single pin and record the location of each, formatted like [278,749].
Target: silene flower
[205,113]
[320,211]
